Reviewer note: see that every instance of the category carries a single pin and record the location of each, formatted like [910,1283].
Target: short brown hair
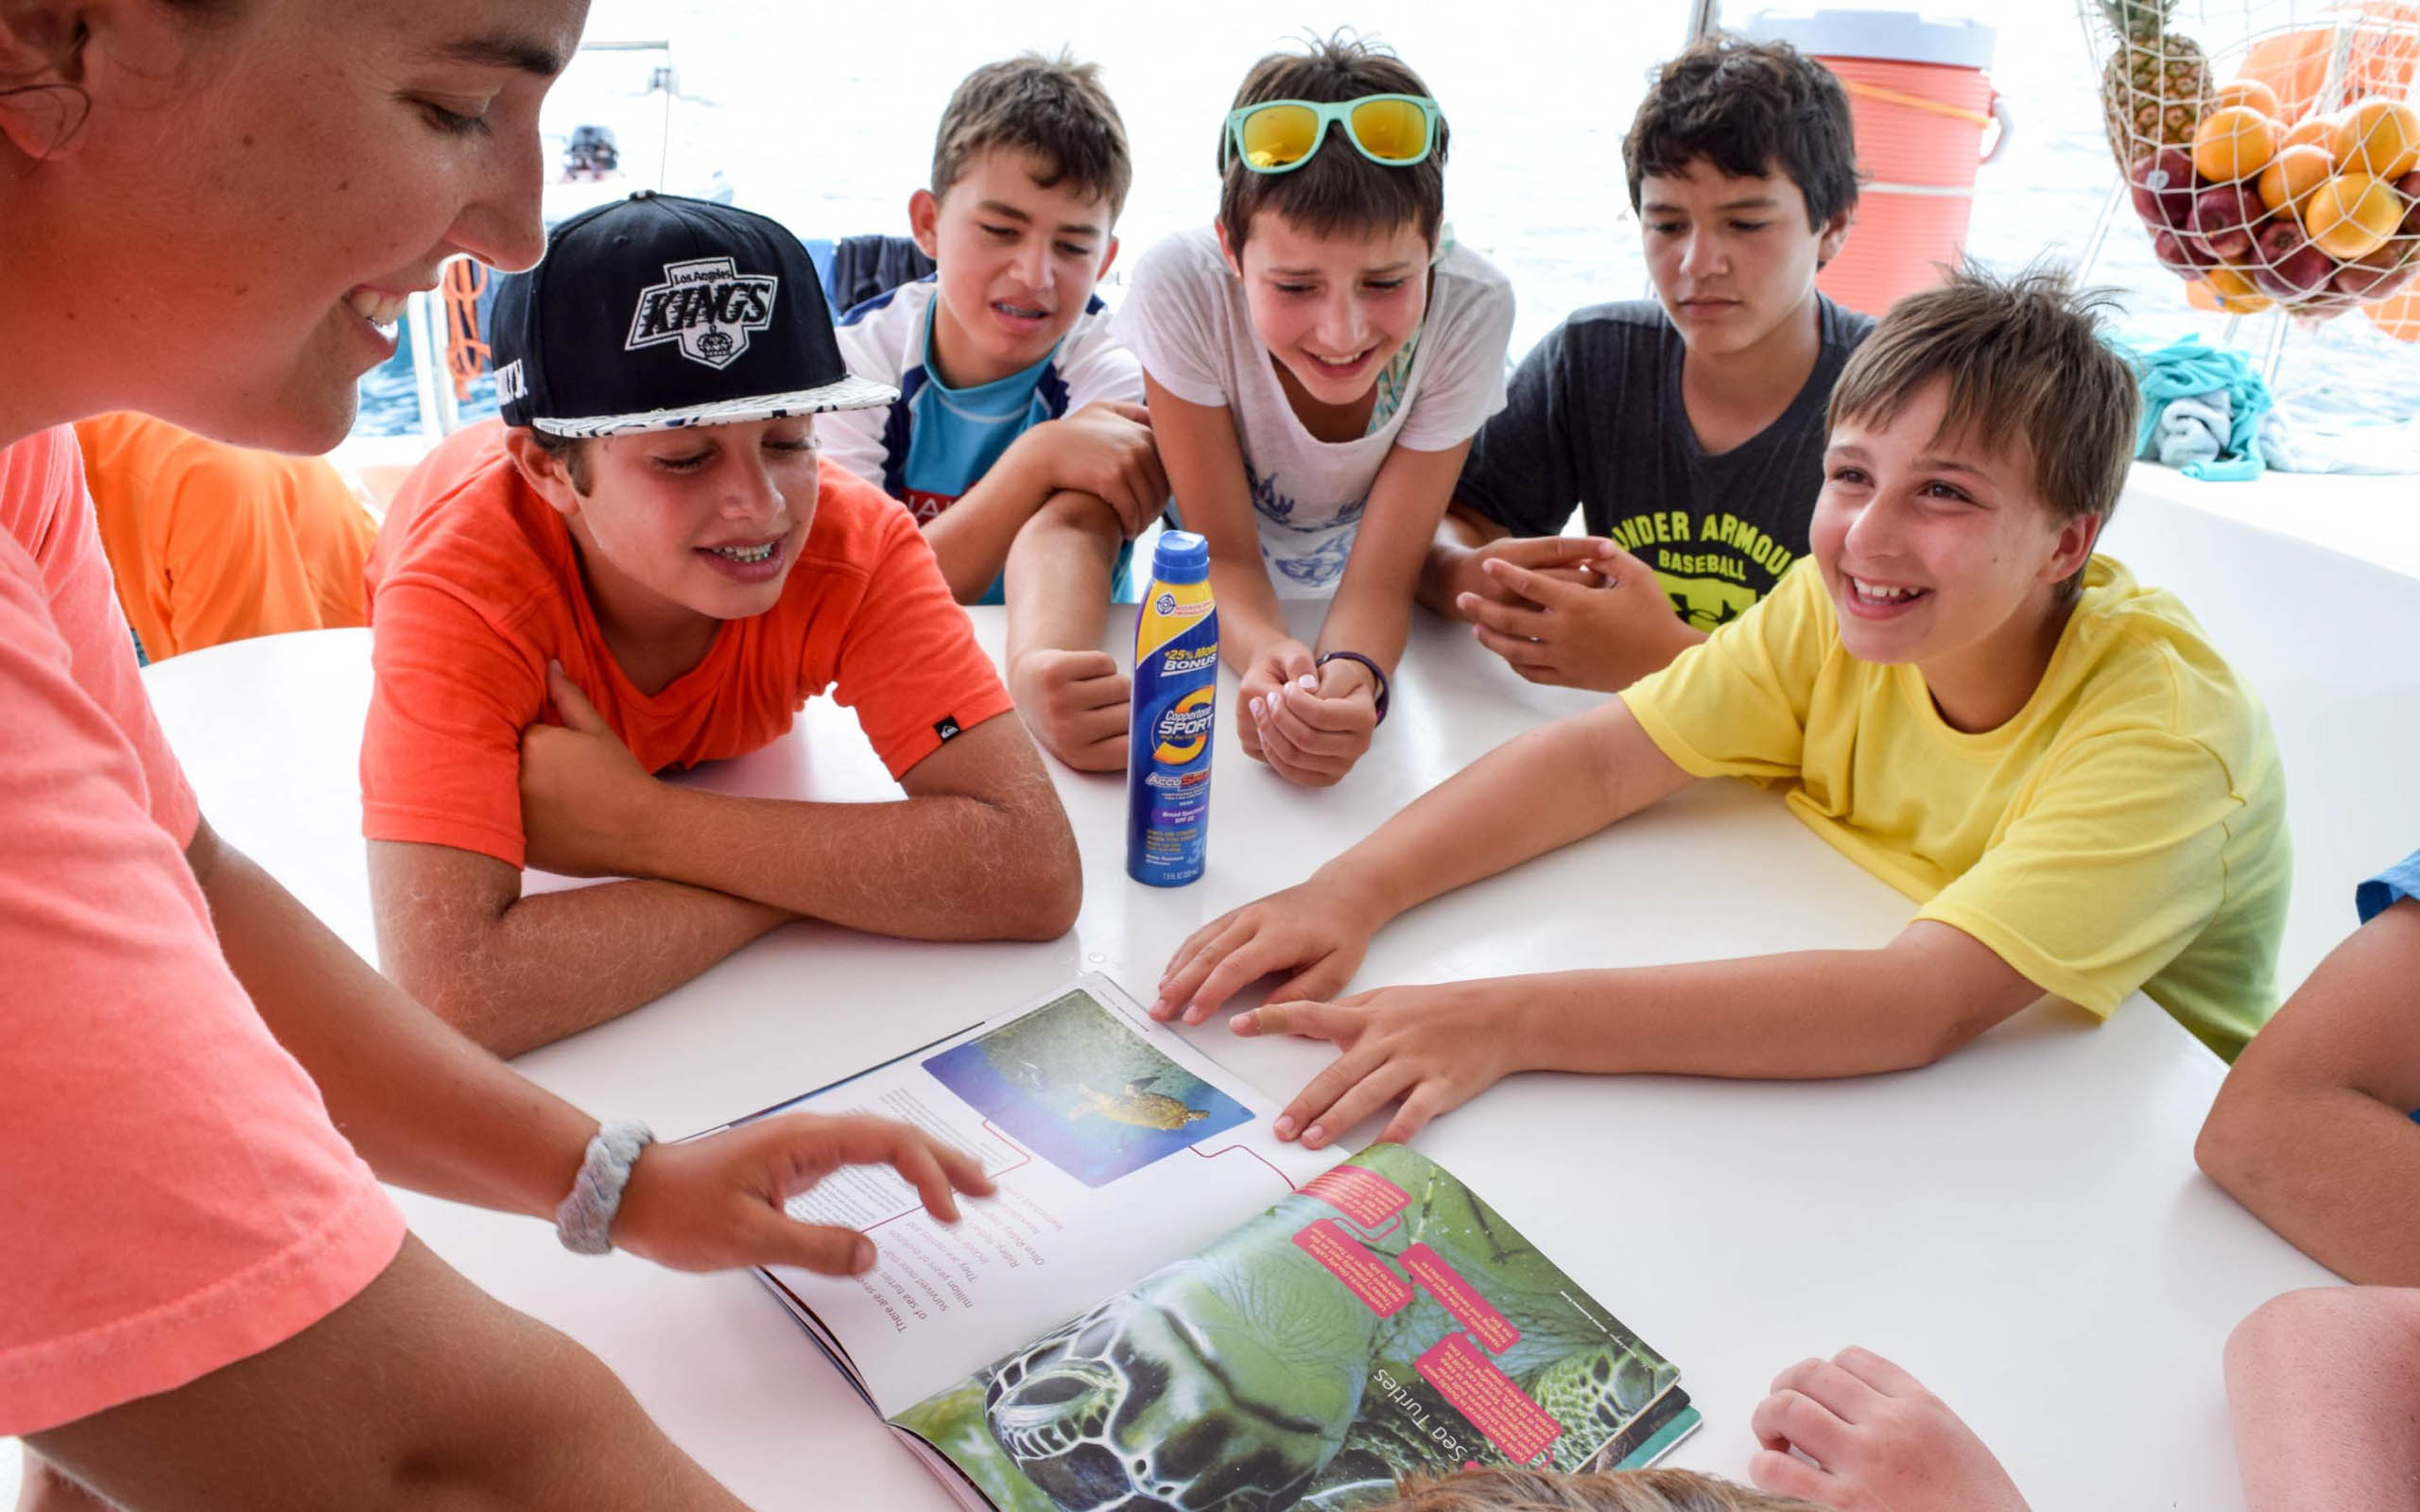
[1053,107]
[1504,1489]
[1745,107]
[2027,374]
[570,453]
[1338,189]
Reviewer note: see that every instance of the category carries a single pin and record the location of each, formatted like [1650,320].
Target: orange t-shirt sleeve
[232,568]
[177,1199]
[908,662]
[441,751]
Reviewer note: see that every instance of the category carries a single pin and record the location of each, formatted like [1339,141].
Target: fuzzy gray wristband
[586,1216]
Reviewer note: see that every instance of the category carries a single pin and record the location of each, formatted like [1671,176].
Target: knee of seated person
[2301,1327]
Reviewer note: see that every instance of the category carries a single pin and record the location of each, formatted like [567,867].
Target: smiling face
[1333,310]
[1017,262]
[1939,554]
[1734,260]
[231,231]
[674,526]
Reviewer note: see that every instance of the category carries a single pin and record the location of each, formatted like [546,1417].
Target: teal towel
[2209,388]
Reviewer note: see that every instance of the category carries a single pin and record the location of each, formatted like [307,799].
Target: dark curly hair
[1746,107]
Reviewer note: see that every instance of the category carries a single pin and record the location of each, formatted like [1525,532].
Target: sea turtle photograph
[1081,1088]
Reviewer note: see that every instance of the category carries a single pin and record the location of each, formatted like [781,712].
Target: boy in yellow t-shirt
[1953,690]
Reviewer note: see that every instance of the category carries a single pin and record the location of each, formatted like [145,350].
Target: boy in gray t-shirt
[1688,428]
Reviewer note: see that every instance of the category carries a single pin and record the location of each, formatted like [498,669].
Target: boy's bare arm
[2312,1130]
[1105,450]
[1371,611]
[514,972]
[1484,820]
[1205,468]
[1805,1014]
[420,1392]
[1069,692]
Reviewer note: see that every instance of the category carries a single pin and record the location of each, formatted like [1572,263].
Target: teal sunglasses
[1278,136]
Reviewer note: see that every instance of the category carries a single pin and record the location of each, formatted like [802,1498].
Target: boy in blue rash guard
[1019,440]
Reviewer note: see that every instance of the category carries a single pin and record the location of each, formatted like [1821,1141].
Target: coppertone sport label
[1174,716]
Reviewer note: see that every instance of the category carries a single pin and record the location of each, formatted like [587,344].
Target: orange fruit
[2312,131]
[2377,137]
[2223,289]
[2248,92]
[2234,142]
[2230,283]
[2352,214]
[2293,174]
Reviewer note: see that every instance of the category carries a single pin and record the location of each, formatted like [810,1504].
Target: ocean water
[823,116]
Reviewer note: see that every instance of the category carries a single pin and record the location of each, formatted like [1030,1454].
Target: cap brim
[852,392]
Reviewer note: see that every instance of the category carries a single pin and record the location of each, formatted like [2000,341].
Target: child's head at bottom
[1505,1489]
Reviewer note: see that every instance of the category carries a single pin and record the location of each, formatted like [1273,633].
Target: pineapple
[2156,84]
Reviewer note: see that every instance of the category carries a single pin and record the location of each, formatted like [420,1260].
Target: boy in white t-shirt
[1317,364]
[1019,440]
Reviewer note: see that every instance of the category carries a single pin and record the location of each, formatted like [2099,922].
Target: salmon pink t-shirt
[476,584]
[173,1198]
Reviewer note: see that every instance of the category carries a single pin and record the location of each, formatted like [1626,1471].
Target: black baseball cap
[657,312]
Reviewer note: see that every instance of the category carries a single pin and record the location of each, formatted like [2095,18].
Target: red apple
[2180,252]
[2360,281]
[2162,184]
[2224,219]
[2409,187]
[2286,264]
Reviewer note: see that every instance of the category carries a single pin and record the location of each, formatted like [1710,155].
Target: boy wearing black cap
[643,567]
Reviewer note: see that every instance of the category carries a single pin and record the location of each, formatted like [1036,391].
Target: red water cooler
[1922,97]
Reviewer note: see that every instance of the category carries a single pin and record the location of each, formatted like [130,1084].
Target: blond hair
[2028,376]
[1507,1490]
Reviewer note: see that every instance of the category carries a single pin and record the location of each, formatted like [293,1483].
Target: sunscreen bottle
[1167,743]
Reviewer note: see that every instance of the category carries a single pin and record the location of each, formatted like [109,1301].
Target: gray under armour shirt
[1594,419]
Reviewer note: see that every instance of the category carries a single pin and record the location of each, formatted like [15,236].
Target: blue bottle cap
[1181,558]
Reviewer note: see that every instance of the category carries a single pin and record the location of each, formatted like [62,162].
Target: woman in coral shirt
[211,209]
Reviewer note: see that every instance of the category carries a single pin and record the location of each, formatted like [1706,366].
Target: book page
[1116,1147]
[1381,1321]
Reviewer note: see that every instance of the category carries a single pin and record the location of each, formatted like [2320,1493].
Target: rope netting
[2272,149]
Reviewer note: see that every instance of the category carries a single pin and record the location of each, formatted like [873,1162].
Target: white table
[2022,1226]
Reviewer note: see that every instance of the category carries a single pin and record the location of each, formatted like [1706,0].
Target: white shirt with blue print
[1186,317]
[934,442]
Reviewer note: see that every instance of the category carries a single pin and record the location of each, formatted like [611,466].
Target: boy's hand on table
[1558,557]
[1434,1047]
[1279,662]
[1106,450]
[584,795]
[1316,930]
[1879,1441]
[1313,729]
[716,1203]
[1603,627]
[1076,703]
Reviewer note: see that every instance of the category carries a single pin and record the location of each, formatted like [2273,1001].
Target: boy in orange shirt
[645,567]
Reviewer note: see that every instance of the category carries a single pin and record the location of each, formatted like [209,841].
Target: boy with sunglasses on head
[1953,691]
[1316,363]
[1019,440]
[1688,429]
[644,567]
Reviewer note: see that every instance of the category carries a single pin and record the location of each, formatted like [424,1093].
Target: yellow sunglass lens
[1395,130]
[1279,135]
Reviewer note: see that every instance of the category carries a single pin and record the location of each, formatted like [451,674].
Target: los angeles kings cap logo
[708,306]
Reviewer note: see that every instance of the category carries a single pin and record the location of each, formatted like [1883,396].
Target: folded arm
[2313,1130]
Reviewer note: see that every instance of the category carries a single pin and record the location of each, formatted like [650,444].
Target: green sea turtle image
[1137,1105]
[1241,1380]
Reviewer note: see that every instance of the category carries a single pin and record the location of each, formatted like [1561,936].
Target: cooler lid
[1898,36]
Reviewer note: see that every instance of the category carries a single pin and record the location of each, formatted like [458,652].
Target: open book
[1164,1307]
